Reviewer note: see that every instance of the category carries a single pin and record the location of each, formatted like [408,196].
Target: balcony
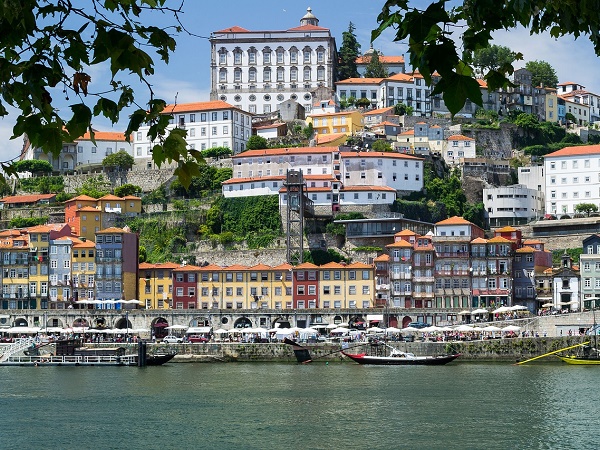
[112,210]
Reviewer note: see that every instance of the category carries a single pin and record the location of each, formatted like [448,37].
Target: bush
[24,222]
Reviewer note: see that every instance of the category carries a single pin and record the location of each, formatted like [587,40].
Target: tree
[586,208]
[381,145]
[256,143]
[120,160]
[349,51]
[50,52]
[95,187]
[493,57]
[35,166]
[127,189]
[400,109]
[432,47]
[375,68]
[363,102]
[542,73]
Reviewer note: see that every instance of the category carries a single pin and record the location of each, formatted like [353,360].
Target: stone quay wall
[506,350]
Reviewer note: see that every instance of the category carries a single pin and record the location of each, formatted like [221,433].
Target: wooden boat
[587,353]
[159,359]
[399,358]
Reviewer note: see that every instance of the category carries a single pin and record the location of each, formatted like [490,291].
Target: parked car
[197,338]
[170,339]
[418,324]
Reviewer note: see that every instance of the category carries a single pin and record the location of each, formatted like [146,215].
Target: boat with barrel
[382,354]
[71,352]
[587,353]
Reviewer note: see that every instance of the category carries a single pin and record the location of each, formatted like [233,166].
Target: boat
[70,352]
[397,357]
[587,353]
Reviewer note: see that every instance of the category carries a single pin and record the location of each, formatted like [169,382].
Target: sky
[187,76]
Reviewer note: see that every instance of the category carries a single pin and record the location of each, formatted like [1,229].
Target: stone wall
[493,143]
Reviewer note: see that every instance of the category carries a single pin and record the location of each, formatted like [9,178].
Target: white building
[83,152]
[512,205]
[578,94]
[572,177]
[208,124]
[532,177]
[457,147]
[257,70]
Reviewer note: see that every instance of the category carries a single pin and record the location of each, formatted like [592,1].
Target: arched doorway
[123,324]
[242,322]
[99,323]
[158,328]
[80,322]
[337,320]
[392,321]
[406,320]
[21,322]
[200,322]
[281,322]
[357,322]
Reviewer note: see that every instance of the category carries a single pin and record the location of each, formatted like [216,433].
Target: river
[288,406]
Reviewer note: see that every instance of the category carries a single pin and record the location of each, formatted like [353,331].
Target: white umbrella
[343,325]
[410,329]
[547,305]
[53,329]
[221,331]
[446,329]
[392,330]
[341,330]
[502,309]
[331,326]
[492,328]
[260,330]
[136,302]
[375,330]
[519,307]
[479,311]
[511,328]
[140,330]
[466,311]
[274,330]
[464,328]
[430,329]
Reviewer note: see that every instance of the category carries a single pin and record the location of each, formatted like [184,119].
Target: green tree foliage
[142,254]
[52,49]
[449,192]
[349,51]
[35,166]
[161,239]
[586,208]
[120,160]
[475,214]
[95,187]
[493,57]
[216,152]
[42,185]
[5,188]
[542,73]
[433,47]
[127,189]
[400,109]
[256,143]
[208,181]
[375,68]
[157,196]
[574,253]
[320,257]
[308,130]
[23,222]
[362,102]
[381,145]
[424,210]
[245,216]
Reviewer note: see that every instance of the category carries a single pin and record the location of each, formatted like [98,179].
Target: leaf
[80,122]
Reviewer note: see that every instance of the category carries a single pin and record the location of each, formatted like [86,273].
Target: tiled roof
[233,29]
[401,77]
[235,267]
[187,268]
[325,138]
[197,106]
[111,230]
[284,266]
[400,243]
[506,229]
[525,250]
[361,81]
[405,232]
[308,28]
[306,265]
[378,111]
[578,150]
[27,198]
[407,133]
[479,241]
[104,136]
[359,265]
[285,151]
[532,242]
[394,155]
[382,258]
[455,220]
[165,265]
[81,198]
[459,137]
[110,197]
[499,240]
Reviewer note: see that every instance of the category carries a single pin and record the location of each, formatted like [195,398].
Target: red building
[185,287]
[306,286]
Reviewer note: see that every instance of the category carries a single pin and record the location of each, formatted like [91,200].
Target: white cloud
[9,148]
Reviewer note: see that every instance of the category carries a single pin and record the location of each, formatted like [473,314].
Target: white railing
[19,345]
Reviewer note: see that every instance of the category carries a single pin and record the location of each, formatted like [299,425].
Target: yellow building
[132,205]
[233,287]
[89,220]
[346,286]
[156,284]
[210,286]
[83,269]
[346,122]
[551,105]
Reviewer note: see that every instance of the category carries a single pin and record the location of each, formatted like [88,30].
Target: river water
[288,406]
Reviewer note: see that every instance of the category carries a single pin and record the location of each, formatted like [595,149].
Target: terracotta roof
[499,240]
[359,265]
[378,111]
[532,242]
[210,268]
[46,228]
[110,197]
[187,268]
[506,229]
[197,106]
[86,198]
[89,209]
[525,250]
[365,188]
[284,266]
[104,136]
[394,155]
[308,28]
[401,77]
[361,81]
[111,230]
[459,137]
[578,150]
[306,265]
[330,137]
[479,241]
[131,197]
[405,232]
[333,265]
[285,151]
[455,220]
[84,244]
[8,233]
[235,267]
[27,198]
[567,83]
[233,29]
[382,258]
[407,133]
[330,114]
[400,243]
[260,267]
[165,265]
[382,58]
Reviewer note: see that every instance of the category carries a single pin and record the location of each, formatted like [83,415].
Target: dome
[309,18]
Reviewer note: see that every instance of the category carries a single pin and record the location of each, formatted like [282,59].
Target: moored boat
[399,358]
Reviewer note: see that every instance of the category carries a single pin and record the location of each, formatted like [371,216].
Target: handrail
[20,344]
